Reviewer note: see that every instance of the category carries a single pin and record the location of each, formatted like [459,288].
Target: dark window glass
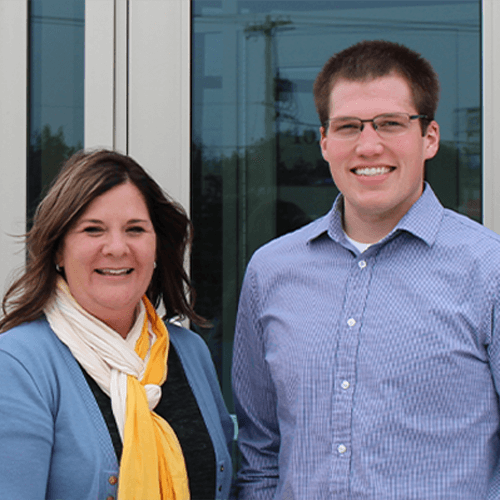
[257,170]
[56,83]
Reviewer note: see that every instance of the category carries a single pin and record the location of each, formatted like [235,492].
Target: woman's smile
[108,256]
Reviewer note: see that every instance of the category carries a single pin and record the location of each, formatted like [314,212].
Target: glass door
[56,90]
[256,166]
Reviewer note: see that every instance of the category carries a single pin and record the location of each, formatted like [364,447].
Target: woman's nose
[115,243]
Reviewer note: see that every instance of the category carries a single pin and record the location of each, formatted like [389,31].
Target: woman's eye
[135,229]
[92,230]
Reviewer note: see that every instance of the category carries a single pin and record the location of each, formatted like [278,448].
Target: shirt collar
[422,220]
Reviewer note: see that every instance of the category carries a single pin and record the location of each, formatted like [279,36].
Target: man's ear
[431,139]
[322,141]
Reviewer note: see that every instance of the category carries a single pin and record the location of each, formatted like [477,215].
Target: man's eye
[346,127]
[390,124]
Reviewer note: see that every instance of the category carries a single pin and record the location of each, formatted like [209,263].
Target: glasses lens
[387,125]
[345,127]
[392,124]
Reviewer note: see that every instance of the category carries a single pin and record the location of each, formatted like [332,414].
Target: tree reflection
[47,152]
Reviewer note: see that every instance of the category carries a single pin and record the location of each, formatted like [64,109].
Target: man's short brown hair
[374,59]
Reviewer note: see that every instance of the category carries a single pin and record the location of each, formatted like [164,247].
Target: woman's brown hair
[84,177]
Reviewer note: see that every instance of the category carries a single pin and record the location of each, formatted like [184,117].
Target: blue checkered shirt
[371,376]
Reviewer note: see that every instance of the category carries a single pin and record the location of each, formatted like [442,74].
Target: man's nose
[369,142]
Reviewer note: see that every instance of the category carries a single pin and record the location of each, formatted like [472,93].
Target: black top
[179,408]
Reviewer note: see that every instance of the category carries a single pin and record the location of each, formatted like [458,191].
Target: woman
[83,356]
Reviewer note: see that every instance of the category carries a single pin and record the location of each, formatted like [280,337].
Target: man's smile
[372,171]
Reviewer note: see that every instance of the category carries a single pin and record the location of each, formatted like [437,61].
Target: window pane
[257,170]
[56,66]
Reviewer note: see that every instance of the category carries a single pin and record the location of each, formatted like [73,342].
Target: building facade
[214,99]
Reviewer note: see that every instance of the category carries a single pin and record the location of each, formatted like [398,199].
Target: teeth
[114,272]
[372,171]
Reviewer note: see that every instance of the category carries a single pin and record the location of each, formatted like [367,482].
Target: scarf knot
[130,371]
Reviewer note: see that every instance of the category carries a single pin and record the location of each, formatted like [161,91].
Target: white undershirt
[360,246]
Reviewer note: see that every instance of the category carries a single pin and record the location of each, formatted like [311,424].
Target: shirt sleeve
[492,328]
[26,433]
[255,401]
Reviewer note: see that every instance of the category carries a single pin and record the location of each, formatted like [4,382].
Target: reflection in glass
[56,79]
[257,170]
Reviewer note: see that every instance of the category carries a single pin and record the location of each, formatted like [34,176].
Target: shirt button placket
[345,369]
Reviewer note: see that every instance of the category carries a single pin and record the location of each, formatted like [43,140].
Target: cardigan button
[222,468]
[110,498]
[112,480]
[220,488]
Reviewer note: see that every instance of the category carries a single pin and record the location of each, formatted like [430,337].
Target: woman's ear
[58,260]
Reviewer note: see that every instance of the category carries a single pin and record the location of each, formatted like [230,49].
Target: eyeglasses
[387,125]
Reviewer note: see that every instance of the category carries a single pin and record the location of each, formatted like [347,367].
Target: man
[366,351]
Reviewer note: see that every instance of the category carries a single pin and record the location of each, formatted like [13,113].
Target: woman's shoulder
[183,338]
[32,357]
[31,343]
[192,351]
[33,335]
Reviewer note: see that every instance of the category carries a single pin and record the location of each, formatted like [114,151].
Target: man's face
[380,178]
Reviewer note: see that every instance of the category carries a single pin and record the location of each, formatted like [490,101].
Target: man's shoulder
[293,243]
[460,229]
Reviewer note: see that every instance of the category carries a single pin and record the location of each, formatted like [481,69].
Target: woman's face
[108,256]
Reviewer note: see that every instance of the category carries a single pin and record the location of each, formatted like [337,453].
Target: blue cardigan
[54,442]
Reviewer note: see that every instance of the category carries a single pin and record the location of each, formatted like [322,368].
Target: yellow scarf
[152,465]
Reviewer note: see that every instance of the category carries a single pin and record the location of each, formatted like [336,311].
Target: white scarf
[104,354]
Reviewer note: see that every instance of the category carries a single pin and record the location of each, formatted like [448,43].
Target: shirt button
[112,480]
[222,468]
[345,385]
[341,449]
[351,321]
[362,264]
[220,488]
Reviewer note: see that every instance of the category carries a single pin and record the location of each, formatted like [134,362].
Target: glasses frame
[374,125]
